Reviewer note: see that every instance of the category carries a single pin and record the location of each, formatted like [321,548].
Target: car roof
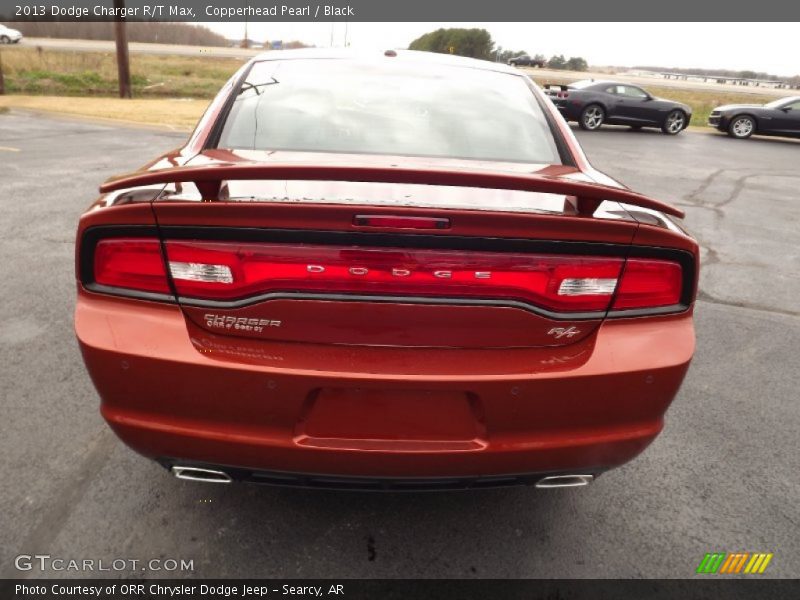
[603,82]
[406,56]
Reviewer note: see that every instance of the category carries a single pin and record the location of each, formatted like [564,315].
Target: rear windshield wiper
[251,86]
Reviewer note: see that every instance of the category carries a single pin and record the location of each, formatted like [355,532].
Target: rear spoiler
[562,87]
[584,196]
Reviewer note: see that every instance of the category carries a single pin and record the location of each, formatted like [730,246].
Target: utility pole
[2,81]
[246,41]
[123,62]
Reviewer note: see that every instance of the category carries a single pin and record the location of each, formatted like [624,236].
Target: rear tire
[674,123]
[742,127]
[592,117]
[4,39]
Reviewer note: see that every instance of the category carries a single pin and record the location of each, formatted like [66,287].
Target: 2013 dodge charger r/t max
[383,272]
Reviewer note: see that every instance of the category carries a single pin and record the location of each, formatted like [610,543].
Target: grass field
[33,72]
[179,114]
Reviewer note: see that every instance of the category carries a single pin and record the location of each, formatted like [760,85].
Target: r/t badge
[560,332]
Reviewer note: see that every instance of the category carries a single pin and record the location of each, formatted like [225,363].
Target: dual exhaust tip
[215,476]
[198,474]
[564,481]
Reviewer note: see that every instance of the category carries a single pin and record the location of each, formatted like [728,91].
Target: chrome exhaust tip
[562,481]
[198,474]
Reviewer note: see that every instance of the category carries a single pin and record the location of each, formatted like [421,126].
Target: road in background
[139,48]
[540,74]
[557,76]
[721,477]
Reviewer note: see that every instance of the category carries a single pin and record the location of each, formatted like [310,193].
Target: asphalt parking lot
[723,476]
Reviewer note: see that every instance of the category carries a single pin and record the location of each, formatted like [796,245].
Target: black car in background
[592,103]
[779,117]
[523,60]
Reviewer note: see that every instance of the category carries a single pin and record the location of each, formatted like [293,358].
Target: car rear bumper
[177,394]
[195,471]
[568,110]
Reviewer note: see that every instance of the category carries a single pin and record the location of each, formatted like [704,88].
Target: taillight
[130,263]
[232,271]
[649,283]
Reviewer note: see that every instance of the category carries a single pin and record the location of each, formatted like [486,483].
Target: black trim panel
[127,293]
[495,302]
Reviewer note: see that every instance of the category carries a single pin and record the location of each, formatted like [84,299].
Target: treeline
[557,61]
[474,43]
[573,63]
[478,43]
[743,74]
[267,45]
[161,33]
[502,55]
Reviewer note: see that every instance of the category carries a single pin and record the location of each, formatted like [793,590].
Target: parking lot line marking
[9,149]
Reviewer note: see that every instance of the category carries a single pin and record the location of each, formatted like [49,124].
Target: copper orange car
[392,271]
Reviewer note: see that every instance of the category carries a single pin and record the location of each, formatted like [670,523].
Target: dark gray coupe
[779,117]
[592,103]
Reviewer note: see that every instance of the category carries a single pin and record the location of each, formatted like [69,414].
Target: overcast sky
[752,46]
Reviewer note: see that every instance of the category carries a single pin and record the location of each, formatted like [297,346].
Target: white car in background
[8,35]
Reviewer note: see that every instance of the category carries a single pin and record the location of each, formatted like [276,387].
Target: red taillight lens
[233,271]
[649,283]
[228,271]
[130,263]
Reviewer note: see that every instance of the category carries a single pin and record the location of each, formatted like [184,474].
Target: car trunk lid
[351,270]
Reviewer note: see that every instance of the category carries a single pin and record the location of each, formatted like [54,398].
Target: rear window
[407,108]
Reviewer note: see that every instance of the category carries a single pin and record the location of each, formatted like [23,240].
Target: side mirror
[786,108]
